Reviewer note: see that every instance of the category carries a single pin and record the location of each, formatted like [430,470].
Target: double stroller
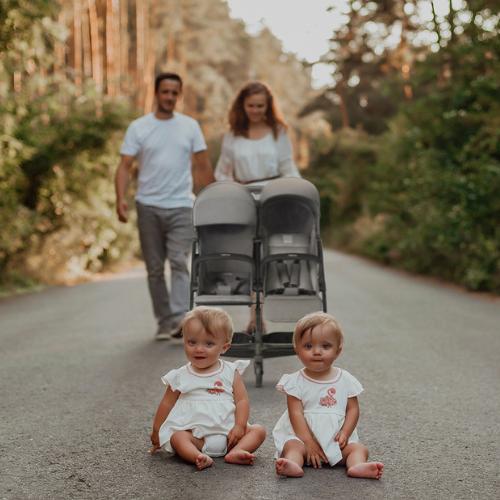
[261,250]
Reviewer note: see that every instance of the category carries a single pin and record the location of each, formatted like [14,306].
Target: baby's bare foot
[241,457]
[285,467]
[371,470]
[203,461]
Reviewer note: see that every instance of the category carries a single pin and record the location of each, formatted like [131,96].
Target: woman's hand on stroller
[314,453]
[235,434]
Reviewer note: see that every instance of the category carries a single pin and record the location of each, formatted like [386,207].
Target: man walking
[171,152]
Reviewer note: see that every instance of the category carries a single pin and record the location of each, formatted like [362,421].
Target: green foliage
[427,196]
[438,179]
[17,18]
[58,153]
[342,175]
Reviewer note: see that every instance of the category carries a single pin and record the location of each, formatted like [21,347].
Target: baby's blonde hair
[312,320]
[215,321]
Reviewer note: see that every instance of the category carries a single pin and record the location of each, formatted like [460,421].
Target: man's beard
[162,109]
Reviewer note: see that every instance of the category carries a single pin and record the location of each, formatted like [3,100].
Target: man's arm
[121,183]
[202,171]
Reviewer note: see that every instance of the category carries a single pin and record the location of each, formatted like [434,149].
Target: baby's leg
[189,448]
[292,459]
[242,452]
[356,456]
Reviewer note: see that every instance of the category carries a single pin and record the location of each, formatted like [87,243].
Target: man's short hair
[167,76]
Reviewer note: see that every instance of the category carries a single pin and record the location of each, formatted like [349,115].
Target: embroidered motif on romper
[329,400]
[217,389]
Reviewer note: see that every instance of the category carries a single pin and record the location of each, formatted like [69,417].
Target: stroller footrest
[288,308]
[278,338]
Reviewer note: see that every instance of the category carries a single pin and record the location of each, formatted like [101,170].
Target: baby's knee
[177,437]
[357,448]
[293,445]
[258,430]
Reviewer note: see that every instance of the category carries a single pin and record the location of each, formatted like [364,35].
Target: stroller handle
[255,188]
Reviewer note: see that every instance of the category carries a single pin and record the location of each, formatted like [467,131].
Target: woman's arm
[224,170]
[164,408]
[242,411]
[286,165]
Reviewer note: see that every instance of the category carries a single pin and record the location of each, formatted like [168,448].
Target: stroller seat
[225,220]
[291,249]
[289,276]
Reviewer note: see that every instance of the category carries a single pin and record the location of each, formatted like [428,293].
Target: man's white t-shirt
[163,149]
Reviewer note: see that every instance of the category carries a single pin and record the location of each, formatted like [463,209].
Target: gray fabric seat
[289,230]
[225,220]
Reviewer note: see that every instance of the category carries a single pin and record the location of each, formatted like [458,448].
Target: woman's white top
[249,160]
[206,403]
[325,403]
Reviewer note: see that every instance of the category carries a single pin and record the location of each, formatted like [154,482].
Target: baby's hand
[155,441]
[235,434]
[315,454]
[341,438]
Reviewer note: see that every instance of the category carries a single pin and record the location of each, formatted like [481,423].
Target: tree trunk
[87,54]
[343,105]
[124,44]
[150,59]
[139,34]
[77,44]
[110,49]
[94,44]
[451,20]
[437,29]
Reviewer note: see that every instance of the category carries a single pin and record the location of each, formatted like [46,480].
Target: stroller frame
[260,345]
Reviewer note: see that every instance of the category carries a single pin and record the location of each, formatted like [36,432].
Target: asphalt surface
[80,382]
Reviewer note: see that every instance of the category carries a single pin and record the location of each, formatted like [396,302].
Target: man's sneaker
[176,333]
[163,333]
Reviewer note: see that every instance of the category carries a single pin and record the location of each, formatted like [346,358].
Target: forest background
[404,146]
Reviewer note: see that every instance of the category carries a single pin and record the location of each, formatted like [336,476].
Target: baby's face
[318,349]
[202,348]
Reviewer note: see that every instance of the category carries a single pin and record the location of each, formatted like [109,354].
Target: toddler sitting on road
[320,423]
[204,412]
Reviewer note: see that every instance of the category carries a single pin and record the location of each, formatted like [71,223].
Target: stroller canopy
[292,187]
[289,205]
[224,202]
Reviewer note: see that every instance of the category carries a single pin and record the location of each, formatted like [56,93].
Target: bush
[426,197]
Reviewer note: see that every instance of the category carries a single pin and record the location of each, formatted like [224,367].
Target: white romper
[324,403]
[206,403]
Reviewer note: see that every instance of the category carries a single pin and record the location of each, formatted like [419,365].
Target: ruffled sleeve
[288,384]
[241,365]
[224,171]
[354,387]
[173,379]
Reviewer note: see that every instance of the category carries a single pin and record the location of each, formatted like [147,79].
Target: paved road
[79,384]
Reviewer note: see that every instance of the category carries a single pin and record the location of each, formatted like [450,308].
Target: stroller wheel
[259,371]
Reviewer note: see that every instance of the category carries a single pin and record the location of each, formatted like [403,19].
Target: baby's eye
[191,342]
[308,346]
[327,346]
[210,344]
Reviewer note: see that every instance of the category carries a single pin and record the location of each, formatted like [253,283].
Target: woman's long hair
[238,120]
